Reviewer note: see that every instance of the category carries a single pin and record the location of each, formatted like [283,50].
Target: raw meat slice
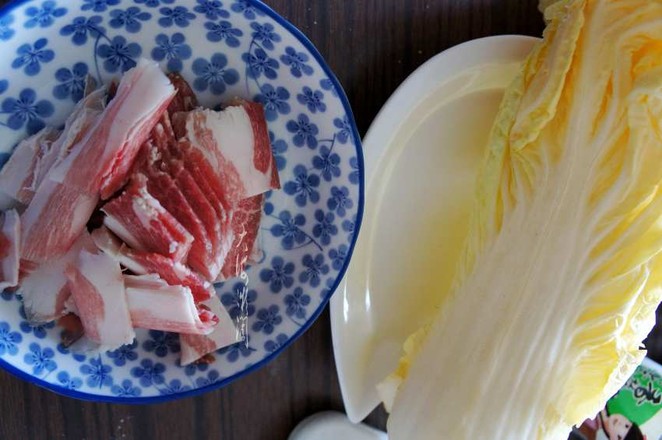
[155,305]
[103,159]
[144,224]
[97,285]
[143,263]
[208,216]
[235,142]
[208,182]
[83,117]
[173,273]
[245,226]
[48,237]
[201,256]
[10,238]
[95,165]
[185,100]
[196,346]
[44,288]
[206,177]
[19,176]
[54,219]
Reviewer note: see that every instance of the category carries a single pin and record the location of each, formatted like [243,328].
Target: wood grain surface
[372,45]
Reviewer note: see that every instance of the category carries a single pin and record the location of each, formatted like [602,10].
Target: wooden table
[372,45]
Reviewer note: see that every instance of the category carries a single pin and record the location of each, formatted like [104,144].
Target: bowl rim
[299,35]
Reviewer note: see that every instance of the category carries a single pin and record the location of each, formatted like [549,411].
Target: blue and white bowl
[225,48]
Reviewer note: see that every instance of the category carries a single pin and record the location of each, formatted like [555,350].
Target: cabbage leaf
[562,271]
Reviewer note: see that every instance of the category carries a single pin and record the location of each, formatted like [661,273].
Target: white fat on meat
[112,246]
[97,286]
[84,115]
[44,288]
[235,147]
[19,178]
[155,305]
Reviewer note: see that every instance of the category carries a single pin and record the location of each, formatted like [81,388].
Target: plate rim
[89,397]
[354,407]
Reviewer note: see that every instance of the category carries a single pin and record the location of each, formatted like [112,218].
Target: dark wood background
[372,45]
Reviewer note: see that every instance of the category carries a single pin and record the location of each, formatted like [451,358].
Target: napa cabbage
[562,270]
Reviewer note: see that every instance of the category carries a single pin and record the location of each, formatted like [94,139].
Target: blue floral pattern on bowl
[226,49]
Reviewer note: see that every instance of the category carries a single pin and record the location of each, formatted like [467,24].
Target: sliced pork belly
[178,192]
[43,286]
[19,176]
[201,256]
[84,115]
[156,305]
[53,221]
[235,142]
[196,346]
[208,182]
[10,239]
[205,176]
[97,285]
[101,162]
[208,216]
[97,165]
[143,263]
[245,226]
[144,224]
[57,214]
[172,272]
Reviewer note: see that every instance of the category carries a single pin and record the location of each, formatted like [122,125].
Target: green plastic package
[634,413]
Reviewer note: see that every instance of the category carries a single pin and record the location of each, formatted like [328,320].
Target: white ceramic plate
[421,158]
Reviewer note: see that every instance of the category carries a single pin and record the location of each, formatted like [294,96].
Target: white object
[422,154]
[332,425]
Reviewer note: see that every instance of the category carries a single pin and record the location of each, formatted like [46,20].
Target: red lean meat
[196,346]
[97,165]
[203,256]
[245,226]
[10,237]
[205,211]
[212,189]
[144,224]
[44,286]
[155,305]
[97,285]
